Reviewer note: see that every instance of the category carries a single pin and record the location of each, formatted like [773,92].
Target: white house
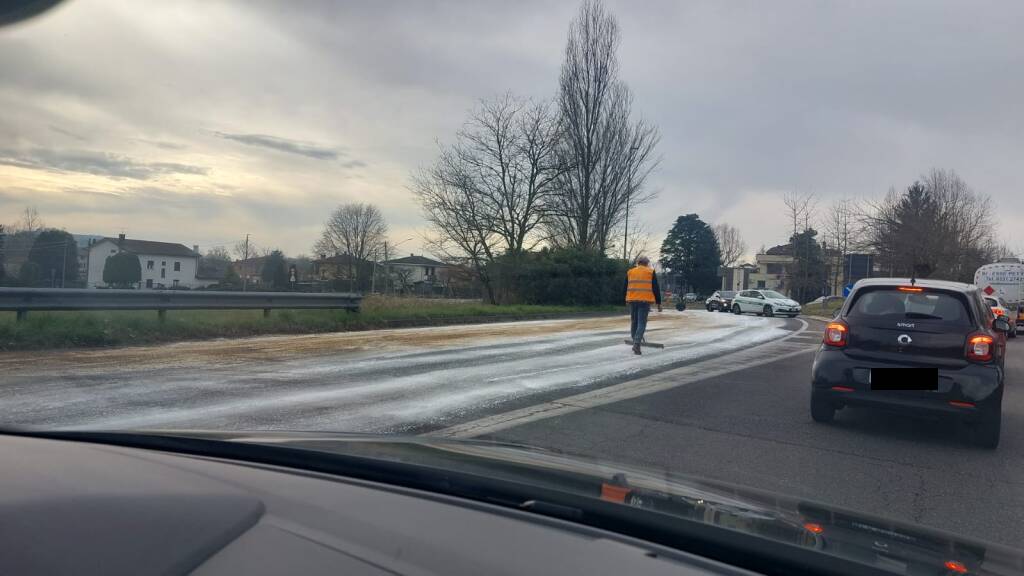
[164,264]
[415,269]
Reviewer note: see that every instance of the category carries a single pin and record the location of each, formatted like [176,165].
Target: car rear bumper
[964,391]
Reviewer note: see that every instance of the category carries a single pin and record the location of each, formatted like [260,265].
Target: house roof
[341,259]
[780,250]
[152,247]
[416,261]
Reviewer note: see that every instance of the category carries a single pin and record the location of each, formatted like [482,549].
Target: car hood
[782,301]
[851,535]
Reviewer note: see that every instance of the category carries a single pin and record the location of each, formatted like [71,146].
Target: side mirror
[1001,324]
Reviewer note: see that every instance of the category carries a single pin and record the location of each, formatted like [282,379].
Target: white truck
[1005,280]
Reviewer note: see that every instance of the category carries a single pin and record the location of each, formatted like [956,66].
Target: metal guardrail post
[22,315]
[266,312]
[161,314]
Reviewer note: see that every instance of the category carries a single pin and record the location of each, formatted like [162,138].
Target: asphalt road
[753,427]
[726,399]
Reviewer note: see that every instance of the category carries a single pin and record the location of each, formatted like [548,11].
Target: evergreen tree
[690,252]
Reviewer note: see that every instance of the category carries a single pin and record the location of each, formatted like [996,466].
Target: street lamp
[629,192]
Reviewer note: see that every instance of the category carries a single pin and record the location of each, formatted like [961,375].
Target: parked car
[720,301]
[1002,309]
[929,346]
[764,303]
[691,297]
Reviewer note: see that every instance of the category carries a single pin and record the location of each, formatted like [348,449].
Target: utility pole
[64,264]
[245,275]
[387,268]
[625,234]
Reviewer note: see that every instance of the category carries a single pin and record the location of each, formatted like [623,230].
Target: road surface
[726,399]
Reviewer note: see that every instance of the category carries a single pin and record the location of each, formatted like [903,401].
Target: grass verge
[43,330]
[824,309]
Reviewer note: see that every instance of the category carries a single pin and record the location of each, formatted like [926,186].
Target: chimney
[120,236]
[195,248]
[411,255]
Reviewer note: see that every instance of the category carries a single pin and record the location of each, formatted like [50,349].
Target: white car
[764,303]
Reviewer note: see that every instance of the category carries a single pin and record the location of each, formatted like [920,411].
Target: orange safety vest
[640,284]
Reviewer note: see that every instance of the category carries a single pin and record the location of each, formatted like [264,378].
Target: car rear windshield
[895,304]
[726,294]
[991,302]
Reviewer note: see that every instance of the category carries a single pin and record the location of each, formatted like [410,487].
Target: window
[774,268]
[177,266]
[910,305]
[164,263]
[163,272]
[149,265]
[760,284]
[113,251]
[175,281]
[149,281]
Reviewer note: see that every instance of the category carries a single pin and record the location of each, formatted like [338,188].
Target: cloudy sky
[199,122]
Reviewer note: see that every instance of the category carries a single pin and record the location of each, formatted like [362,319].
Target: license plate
[905,379]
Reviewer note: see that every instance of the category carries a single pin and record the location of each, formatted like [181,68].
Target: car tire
[822,408]
[736,309]
[768,311]
[710,307]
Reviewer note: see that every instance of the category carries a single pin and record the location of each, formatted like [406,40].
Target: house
[773,268]
[342,272]
[416,270]
[737,277]
[250,270]
[164,264]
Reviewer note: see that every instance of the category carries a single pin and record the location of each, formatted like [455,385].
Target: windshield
[502,222]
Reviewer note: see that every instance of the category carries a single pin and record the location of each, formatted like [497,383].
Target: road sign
[847,289]
[989,290]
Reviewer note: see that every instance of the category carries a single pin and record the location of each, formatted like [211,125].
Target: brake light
[979,347]
[954,566]
[836,334]
[813,528]
[997,312]
[910,289]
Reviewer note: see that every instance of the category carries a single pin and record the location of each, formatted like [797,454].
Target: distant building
[737,277]
[414,270]
[250,270]
[772,269]
[164,264]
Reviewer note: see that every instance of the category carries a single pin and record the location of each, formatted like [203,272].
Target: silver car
[764,303]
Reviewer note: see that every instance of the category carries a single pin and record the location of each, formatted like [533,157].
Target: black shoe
[636,349]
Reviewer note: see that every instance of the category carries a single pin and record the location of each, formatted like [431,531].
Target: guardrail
[23,300]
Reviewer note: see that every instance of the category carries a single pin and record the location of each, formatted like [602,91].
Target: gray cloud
[307,149]
[96,163]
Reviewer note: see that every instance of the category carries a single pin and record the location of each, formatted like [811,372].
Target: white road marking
[783,348]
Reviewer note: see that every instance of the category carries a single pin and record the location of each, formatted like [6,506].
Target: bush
[565,277]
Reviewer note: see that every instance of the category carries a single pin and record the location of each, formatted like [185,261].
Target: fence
[23,300]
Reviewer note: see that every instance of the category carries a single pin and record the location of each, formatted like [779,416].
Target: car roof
[920,282]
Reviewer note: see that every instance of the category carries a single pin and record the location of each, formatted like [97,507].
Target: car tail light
[979,347]
[836,334]
[997,312]
[910,289]
[955,566]
[813,528]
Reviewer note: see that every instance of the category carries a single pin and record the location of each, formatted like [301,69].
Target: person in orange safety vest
[641,291]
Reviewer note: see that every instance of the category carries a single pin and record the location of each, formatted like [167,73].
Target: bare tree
[840,231]
[507,152]
[800,210]
[730,244]
[30,220]
[607,157]
[462,222]
[355,229]
[937,227]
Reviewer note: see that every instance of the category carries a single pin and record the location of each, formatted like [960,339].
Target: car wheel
[822,408]
[736,309]
[710,307]
[768,311]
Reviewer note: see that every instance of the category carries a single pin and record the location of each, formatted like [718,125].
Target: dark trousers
[638,312]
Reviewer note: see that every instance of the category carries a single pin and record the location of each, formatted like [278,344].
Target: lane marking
[755,356]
